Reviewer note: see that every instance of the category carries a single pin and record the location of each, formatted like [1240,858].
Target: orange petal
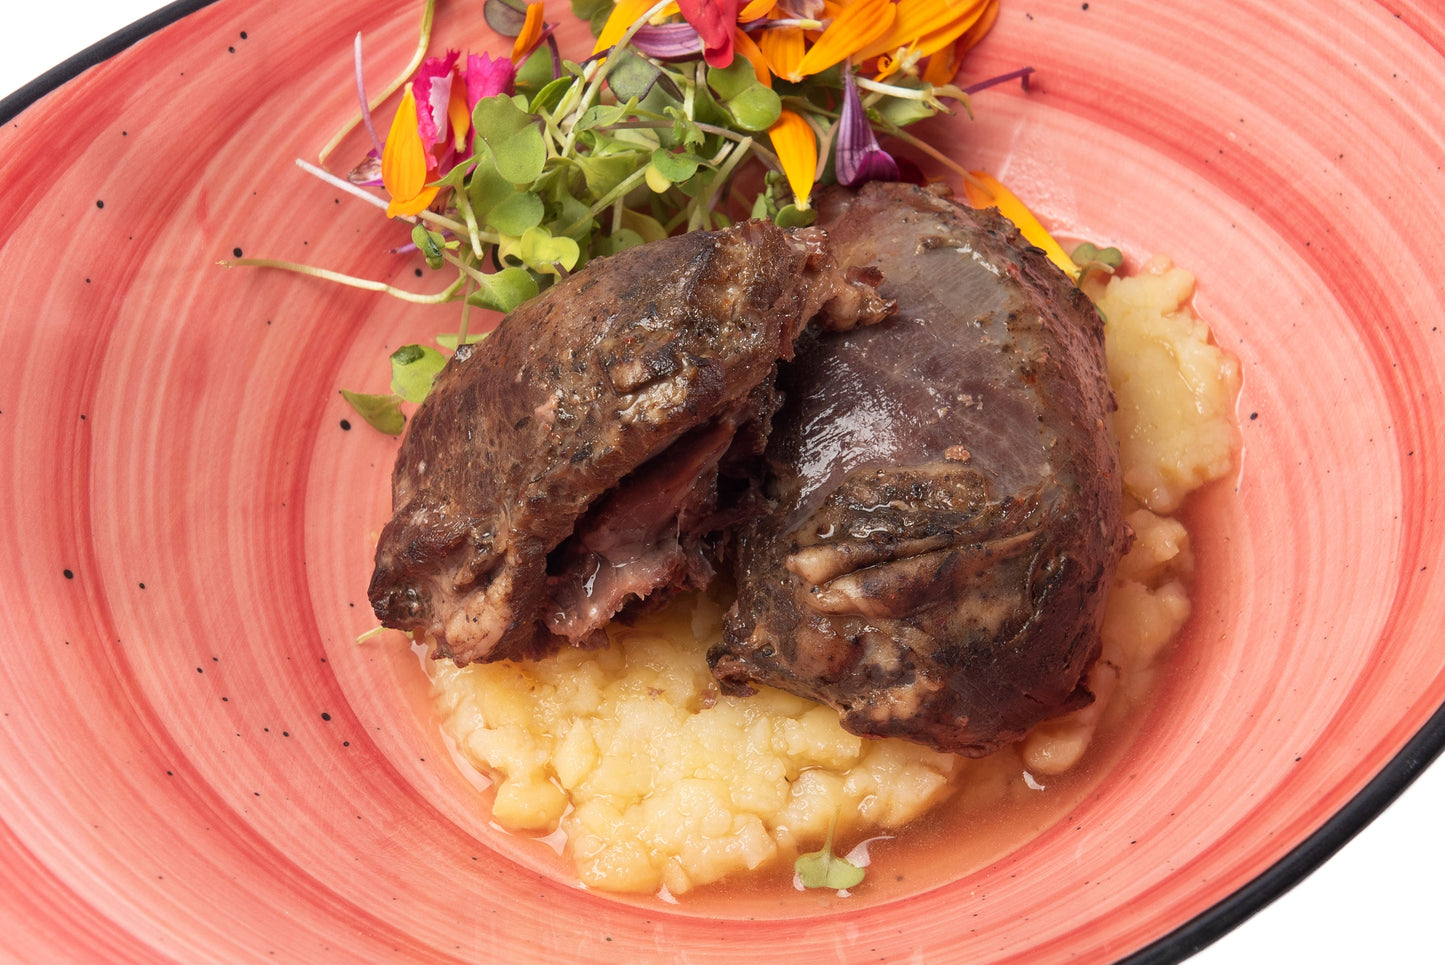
[797,149]
[925,26]
[980,27]
[744,45]
[403,158]
[459,116]
[531,33]
[409,206]
[986,192]
[942,67]
[783,48]
[624,14]
[755,9]
[856,27]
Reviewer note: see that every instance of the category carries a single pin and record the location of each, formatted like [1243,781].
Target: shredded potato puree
[660,782]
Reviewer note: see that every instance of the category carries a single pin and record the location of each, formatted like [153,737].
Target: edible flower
[404,163]
[433,125]
[797,148]
[985,191]
[858,156]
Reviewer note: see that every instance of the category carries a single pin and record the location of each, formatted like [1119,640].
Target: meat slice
[614,400]
[946,517]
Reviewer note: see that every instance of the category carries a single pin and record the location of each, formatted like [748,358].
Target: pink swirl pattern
[199,763]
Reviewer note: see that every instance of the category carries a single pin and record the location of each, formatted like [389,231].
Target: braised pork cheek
[946,517]
[580,457]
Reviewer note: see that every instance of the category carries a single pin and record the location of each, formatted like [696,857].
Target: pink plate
[198,761]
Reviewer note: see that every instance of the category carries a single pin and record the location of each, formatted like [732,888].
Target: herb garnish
[515,171]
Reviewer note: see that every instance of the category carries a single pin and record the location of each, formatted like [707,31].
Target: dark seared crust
[574,391]
[946,519]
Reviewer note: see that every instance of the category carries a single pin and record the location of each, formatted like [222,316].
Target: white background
[1380,900]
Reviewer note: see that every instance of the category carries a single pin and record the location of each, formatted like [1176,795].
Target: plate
[200,760]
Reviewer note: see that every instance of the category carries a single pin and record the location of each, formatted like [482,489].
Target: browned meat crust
[589,384]
[946,519]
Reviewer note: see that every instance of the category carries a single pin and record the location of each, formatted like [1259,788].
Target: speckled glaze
[199,763]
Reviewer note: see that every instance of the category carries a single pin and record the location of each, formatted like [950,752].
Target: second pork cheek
[946,514]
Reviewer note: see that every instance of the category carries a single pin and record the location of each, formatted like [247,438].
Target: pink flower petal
[486,77]
[432,88]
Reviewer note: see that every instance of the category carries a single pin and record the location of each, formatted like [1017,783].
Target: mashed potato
[659,781]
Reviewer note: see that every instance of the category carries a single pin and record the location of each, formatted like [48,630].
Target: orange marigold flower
[855,27]
[403,163]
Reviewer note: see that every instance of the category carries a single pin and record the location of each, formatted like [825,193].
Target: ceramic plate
[201,763]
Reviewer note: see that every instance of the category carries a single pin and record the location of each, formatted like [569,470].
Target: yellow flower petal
[531,33]
[984,191]
[925,26]
[624,14]
[797,149]
[403,158]
[856,27]
[783,48]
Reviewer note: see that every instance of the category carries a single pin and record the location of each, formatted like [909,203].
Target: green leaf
[605,115]
[824,869]
[381,412]
[732,80]
[684,131]
[413,369]
[504,290]
[450,340]
[603,172]
[791,216]
[756,108]
[515,212]
[619,240]
[631,76]
[513,136]
[646,226]
[902,111]
[674,167]
[429,243]
[547,99]
[505,16]
[1088,254]
[541,251]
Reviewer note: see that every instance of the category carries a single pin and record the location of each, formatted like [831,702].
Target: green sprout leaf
[756,108]
[824,869]
[413,369]
[503,291]
[430,244]
[1089,255]
[381,412]
[513,136]
[515,213]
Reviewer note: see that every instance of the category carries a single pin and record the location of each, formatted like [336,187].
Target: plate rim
[1185,940]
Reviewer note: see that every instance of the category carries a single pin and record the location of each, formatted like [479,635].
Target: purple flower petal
[858,157]
[668,41]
